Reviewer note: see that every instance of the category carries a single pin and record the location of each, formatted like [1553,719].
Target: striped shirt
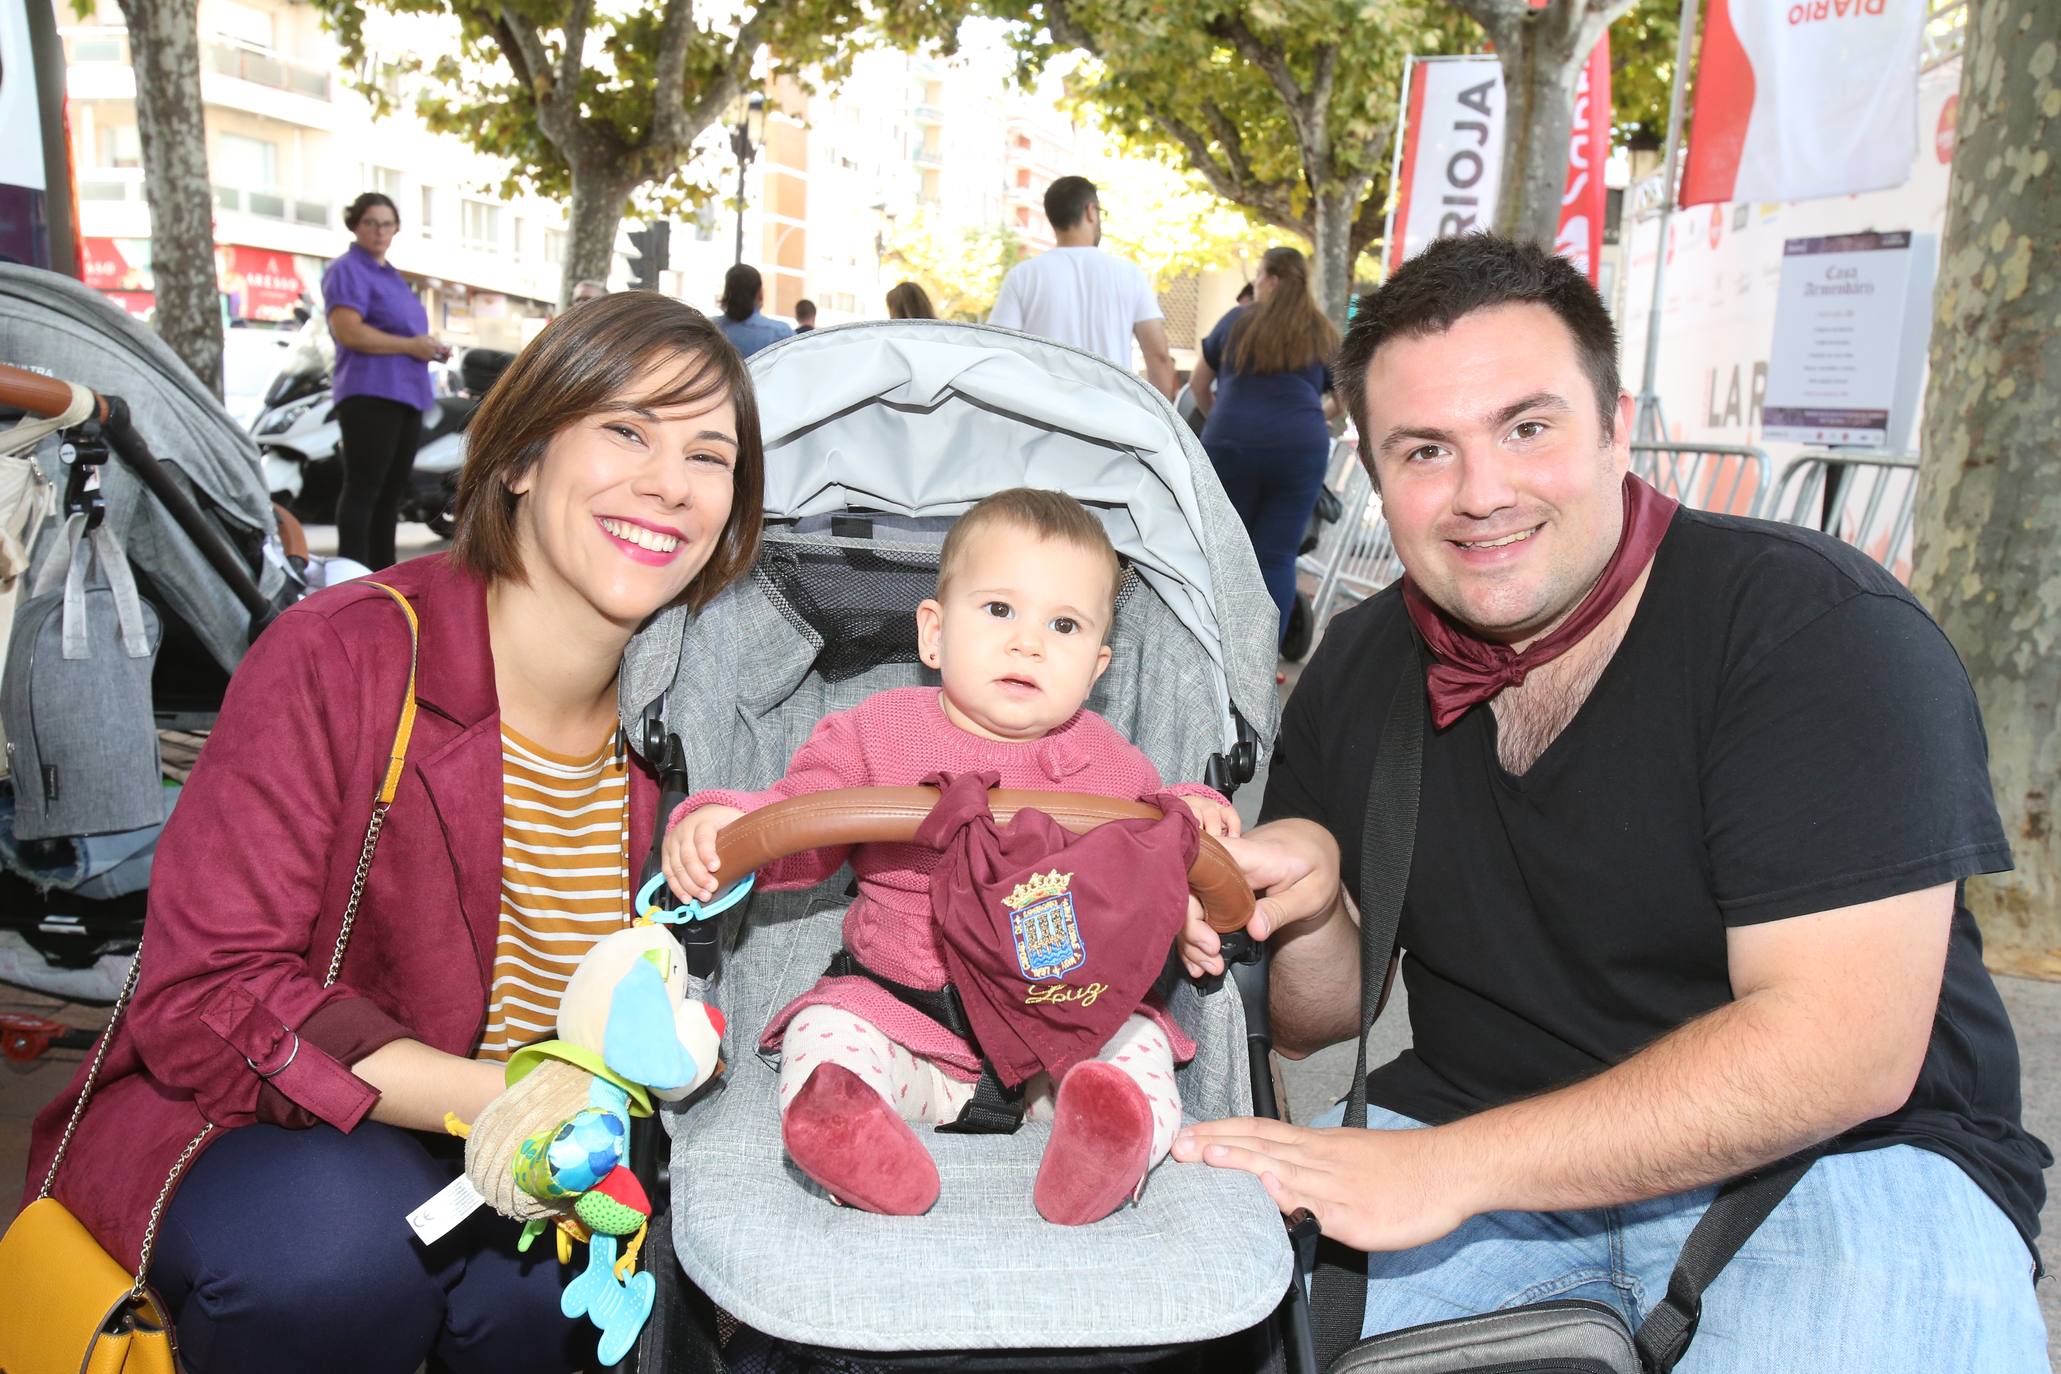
[564,880]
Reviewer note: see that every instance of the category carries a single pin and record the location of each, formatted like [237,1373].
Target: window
[482,224]
[704,222]
[427,224]
[246,162]
[554,246]
[243,24]
[1023,178]
[522,238]
[118,146]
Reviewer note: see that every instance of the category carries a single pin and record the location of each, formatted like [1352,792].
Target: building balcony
[930,114]
[265,68]
[278,204]
[933,158]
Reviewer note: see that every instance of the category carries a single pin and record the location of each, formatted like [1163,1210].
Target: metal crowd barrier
[1869,500]
[1354,557]
[1732,479]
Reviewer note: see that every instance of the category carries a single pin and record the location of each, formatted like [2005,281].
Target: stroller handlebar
[871,815]
[43,397]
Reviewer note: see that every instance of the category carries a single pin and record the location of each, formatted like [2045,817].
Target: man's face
[1094,219]
[1502,495]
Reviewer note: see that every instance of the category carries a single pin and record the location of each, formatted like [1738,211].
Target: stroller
[878,436]
[121,446]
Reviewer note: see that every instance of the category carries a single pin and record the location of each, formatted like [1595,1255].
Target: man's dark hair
[1067,201]
[805,309]
[1454,278]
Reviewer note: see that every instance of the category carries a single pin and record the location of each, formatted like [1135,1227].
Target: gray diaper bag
[75,698]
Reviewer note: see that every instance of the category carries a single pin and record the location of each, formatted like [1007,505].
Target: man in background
[1080,295]
[804,316]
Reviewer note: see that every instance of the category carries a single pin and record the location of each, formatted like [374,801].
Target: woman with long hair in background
[1264,381]
[908,301]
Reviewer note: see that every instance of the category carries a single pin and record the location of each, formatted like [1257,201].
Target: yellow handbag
[66,1305]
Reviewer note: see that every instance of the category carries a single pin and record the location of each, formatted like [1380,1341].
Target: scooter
[300,441]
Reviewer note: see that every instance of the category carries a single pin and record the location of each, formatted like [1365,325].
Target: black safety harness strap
[993,1108]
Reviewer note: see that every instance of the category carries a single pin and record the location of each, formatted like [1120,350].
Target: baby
[1025,598]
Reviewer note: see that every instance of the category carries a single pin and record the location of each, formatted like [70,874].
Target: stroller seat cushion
[1202,1254]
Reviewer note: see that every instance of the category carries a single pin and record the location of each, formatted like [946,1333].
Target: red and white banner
[1586,202]
[1449,163]
[1798,99]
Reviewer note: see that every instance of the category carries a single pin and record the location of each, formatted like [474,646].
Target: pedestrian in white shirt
[1080,295]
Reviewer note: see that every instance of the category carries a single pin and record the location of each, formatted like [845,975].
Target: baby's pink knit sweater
[897,738]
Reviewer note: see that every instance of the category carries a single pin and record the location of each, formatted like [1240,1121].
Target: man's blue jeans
[1885,1260]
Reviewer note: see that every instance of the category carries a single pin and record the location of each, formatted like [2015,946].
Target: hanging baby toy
[553,1150]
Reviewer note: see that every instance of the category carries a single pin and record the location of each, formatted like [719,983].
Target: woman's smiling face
[627,504]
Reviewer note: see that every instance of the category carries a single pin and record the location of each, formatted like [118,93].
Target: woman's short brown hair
[585,361]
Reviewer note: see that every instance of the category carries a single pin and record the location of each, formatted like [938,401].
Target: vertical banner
[1452,152]
[1801,99]
[1586,202]
[1449,161]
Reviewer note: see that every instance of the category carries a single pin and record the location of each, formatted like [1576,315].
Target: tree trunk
[1540,71]
[164,49]
[1989,508]
[1331,226]
[599,193]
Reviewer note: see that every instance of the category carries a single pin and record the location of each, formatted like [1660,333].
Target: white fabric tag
[453,1203]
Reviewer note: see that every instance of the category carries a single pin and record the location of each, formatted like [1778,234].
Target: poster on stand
[1851,320]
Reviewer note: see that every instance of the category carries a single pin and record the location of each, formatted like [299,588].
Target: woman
[908,301]
[617,471]
[383,352]
[744,291]
[1264,381]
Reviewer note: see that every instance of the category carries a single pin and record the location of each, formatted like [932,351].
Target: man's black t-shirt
[1783,730]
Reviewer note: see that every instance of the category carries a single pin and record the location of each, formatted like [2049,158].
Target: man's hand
[689,856]
[1294,865]
[1371,1190]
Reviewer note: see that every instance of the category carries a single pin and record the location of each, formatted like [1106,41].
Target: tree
[1989,507]
[1642,72]
[164,50]
[1541,50]
[593,106]
[961,271]
[1286,109]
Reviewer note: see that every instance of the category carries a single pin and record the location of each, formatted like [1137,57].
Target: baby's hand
[1201,948]
[1216,818]
[689,859]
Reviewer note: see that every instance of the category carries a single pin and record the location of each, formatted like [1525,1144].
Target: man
[1698,795]
[588,290]
[804,316]
[1080,295]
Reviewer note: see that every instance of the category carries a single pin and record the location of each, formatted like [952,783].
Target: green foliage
[960,272]
[1642,71]
[1204,82]
[484,91]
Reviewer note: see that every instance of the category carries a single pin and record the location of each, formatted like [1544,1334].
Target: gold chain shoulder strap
[390,783]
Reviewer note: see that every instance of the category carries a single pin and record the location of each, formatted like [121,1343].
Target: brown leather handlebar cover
[38,395]
[871,815]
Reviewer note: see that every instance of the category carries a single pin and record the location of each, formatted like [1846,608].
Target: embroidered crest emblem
[1048,933]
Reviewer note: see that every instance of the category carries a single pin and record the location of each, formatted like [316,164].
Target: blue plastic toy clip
[689,910]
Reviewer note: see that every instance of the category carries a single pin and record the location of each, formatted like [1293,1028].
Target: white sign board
[1451,154]
[1842,370]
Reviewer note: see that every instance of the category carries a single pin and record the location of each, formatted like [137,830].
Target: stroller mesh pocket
[856,601]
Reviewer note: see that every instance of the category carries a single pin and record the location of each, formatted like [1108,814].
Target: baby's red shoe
[845,1136]
[1101,1143]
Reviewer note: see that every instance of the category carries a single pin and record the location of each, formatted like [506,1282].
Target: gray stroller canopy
[64,329]
[921,418]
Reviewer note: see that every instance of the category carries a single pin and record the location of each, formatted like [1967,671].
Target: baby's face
[1018,636]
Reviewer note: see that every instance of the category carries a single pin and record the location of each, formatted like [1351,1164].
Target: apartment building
[290,144]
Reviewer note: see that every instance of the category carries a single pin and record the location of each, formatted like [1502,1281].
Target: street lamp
[745,141]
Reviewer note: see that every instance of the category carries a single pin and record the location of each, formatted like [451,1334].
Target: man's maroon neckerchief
[1467,669]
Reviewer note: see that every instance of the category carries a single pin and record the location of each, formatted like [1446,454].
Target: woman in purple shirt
[383,349]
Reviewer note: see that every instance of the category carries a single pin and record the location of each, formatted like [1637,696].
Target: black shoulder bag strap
[1388,838]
